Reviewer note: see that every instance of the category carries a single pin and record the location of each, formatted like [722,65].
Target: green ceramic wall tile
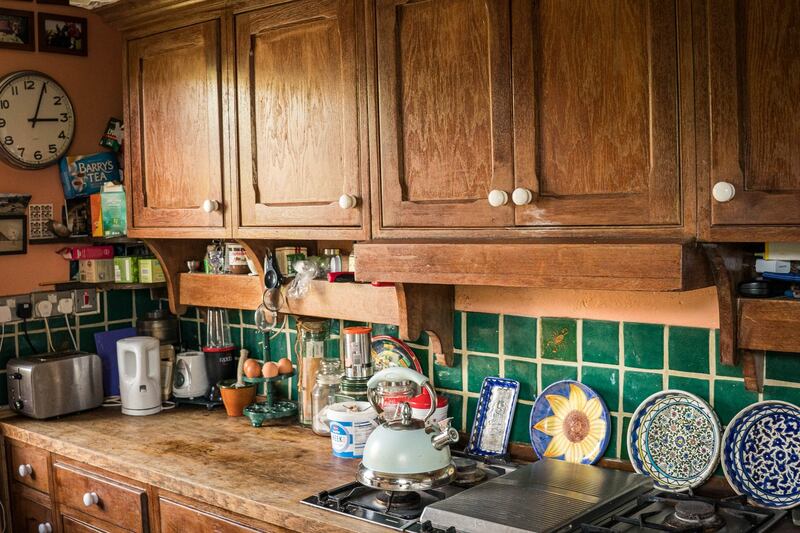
[253,340]
[698,387]
[248,317]
[7,351]
[347,323]
[189,335]
[332,348]
[235,316]
[559,339]
[644,345]
[385,329]
[525,373]
[56,322]
[38,340]
[479,367]
[623,449]
[449,377]
[730,397]
[94,318]
[729,371]
[454,410]
[483,332]
[422,340]
[144,303]
[638,386]
[336,326]
[277,347]
[472,406]
[119,325]
[688,349]
[120,305]
[519,427]
[605,382]
[422,357]
[457,330]
[553,373]
[785,394]
[290,349]
[601,342]
[783,366]
[61,341]
[519,336]
[611,450]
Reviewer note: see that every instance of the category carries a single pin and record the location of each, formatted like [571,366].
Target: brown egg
[252,368]
[269,370]
[285,365]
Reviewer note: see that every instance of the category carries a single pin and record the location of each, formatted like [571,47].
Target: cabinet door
[445,112]
[177,518]
[28,512]
[301,98]
[754,70]
[596,112]
[175,128]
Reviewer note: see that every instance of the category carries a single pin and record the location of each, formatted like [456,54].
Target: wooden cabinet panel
[116,503]
[29,510]
[175,128]
[73,521]
[302,129]
[35,462]
[177,518]
[444,110]
[754,83]
[596,112]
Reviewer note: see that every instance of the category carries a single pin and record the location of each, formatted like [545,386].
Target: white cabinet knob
[521,196]
[25,470]
[90,498]
[347,201]
[498,198]
[45,527]
[723,191]
[209,206]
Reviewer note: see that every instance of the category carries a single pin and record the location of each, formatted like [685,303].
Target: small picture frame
[61,34]
[13,234]
[17,30]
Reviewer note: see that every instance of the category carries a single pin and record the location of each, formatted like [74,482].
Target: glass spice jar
[324,394]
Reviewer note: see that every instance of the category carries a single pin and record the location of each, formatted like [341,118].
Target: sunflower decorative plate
[569,421]
[761,453]
[388,351]
[674,437]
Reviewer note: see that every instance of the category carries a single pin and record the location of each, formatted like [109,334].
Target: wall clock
[37,122]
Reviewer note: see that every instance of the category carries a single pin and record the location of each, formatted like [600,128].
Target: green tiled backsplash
[623,362]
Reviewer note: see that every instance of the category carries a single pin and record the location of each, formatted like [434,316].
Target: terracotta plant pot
[235,398]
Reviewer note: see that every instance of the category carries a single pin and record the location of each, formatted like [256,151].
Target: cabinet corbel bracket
[428,308]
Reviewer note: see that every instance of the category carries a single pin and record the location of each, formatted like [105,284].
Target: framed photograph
[16,29]
[13,234]
[61,34]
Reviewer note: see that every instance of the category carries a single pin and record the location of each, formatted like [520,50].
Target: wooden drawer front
[24,455]
[30,510]
[178,518]
[117,503]
[76,522]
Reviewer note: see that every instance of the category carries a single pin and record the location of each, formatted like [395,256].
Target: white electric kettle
[405,454]
[191,376]
[139,363]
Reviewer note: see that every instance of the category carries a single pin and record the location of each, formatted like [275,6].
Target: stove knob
[18,405]
[426,527]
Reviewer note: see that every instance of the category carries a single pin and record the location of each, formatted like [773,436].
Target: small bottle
[324,394]
[333,259]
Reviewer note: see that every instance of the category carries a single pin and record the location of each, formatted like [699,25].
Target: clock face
[37,121]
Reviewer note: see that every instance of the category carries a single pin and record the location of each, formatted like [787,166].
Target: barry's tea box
[82,175]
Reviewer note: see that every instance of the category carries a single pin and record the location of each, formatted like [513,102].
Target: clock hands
[38,105]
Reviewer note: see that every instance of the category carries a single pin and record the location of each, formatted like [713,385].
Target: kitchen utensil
[493,417]
[243,354]
[272,272]
[357,352]
[159,324]
[236,397]
[389,351]
[761,453]
[351,424]
[220,365]
[191,377]
[139,362]
[406,454]
[674,437]
[570,421]
[54,384]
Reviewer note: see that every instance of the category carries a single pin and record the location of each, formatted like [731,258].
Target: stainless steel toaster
[54,384]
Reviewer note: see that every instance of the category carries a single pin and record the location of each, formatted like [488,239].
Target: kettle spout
[448,436]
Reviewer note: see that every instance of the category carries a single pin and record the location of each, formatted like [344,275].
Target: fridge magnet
[16,29]
[13,235]
[62,34]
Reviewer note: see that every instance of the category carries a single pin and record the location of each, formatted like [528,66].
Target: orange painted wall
[94,84]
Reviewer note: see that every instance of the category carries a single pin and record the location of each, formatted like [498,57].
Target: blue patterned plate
[570,421]
[674,437]
[761,453]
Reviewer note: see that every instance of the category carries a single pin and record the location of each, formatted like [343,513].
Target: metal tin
[287,255]
[357,352]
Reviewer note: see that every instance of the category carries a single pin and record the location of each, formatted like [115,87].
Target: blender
[220,353]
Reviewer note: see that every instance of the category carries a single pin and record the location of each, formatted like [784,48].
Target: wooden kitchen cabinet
[176,130]
[302,132]
[747,57]
[30,510]
[444,113]
[177,517]
[28,465]
[75,522]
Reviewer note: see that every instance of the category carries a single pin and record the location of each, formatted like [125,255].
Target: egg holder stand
[270,409]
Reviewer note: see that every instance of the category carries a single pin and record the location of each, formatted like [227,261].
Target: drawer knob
[347,201]
[90,498]
[45,527]
[25,470]
[723,191]
[521,196]
[209,206]
[498,198]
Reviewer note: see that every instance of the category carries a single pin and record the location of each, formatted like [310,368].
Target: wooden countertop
[261,473]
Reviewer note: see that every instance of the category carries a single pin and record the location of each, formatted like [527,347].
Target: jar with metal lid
[357,352]
[324,394]
[391,395]
[310,347]
[332,259]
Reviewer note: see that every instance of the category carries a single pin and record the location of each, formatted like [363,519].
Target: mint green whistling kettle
[406,454]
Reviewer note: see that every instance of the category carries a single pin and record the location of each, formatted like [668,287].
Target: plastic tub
[351,423]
